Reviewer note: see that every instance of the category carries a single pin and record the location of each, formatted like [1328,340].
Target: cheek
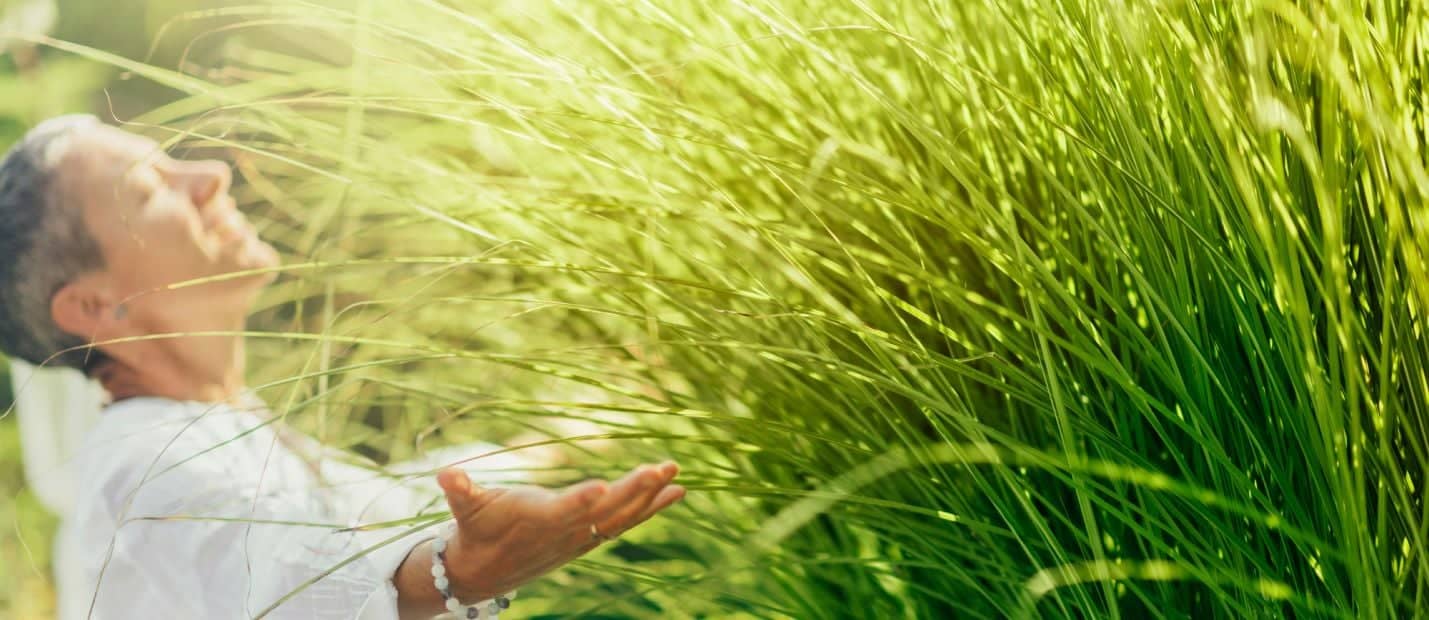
[176,234]
[157,225]
[158,250]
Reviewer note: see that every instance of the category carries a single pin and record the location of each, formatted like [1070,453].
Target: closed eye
[148,182]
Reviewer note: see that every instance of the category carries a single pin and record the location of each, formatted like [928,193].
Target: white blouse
[197,510]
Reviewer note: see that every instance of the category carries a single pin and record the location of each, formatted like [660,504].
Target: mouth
[230,223]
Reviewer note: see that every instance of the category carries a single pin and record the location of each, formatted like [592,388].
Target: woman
[190,500]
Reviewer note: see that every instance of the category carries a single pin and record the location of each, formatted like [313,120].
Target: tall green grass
[949,309]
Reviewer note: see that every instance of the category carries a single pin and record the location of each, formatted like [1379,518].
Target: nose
[206,179]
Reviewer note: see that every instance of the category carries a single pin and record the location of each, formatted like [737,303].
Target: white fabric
[55,407]
[117,557]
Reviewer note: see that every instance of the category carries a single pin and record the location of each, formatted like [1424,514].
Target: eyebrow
[136,168]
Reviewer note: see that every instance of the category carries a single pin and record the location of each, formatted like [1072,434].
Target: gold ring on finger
[596,535]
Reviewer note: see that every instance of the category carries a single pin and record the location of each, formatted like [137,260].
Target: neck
[199,368]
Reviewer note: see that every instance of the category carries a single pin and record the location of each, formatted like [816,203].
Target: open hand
[507,537]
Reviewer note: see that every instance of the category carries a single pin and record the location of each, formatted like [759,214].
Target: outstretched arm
[508,537]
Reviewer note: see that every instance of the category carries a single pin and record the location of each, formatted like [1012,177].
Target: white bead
[442,583]
[440,544]
[454,606]
[438,570]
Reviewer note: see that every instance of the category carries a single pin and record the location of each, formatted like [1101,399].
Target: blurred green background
[948,308]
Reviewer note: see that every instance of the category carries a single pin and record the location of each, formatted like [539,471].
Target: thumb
[463,497]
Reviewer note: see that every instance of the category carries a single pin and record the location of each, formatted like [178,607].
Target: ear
[84,308]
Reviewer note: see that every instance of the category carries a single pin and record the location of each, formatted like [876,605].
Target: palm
[506,537]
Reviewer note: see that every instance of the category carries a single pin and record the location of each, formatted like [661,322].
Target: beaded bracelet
[488,609]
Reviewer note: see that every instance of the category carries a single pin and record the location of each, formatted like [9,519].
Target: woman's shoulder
[166,446]
[149,431]
[151,417]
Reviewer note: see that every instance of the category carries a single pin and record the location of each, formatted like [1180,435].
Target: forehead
[99,156]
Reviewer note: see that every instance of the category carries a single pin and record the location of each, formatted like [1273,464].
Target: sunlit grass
[949,309]
[24,546]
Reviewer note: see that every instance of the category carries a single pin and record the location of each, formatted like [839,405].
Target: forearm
[417,595]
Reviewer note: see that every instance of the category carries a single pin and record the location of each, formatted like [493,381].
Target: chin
[258,254]
[267,257]
[254,255]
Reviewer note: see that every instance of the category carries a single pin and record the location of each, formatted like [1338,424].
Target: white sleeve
[279,555]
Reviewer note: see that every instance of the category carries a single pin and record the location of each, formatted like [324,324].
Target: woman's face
[160,221]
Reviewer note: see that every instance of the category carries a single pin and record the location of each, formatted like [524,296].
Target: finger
[636,488]
[667,497]
[582,542]
[621,519]
[576,501]
[626,489]
[463,497]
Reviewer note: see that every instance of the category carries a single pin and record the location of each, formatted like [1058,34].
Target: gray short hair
[43,245]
